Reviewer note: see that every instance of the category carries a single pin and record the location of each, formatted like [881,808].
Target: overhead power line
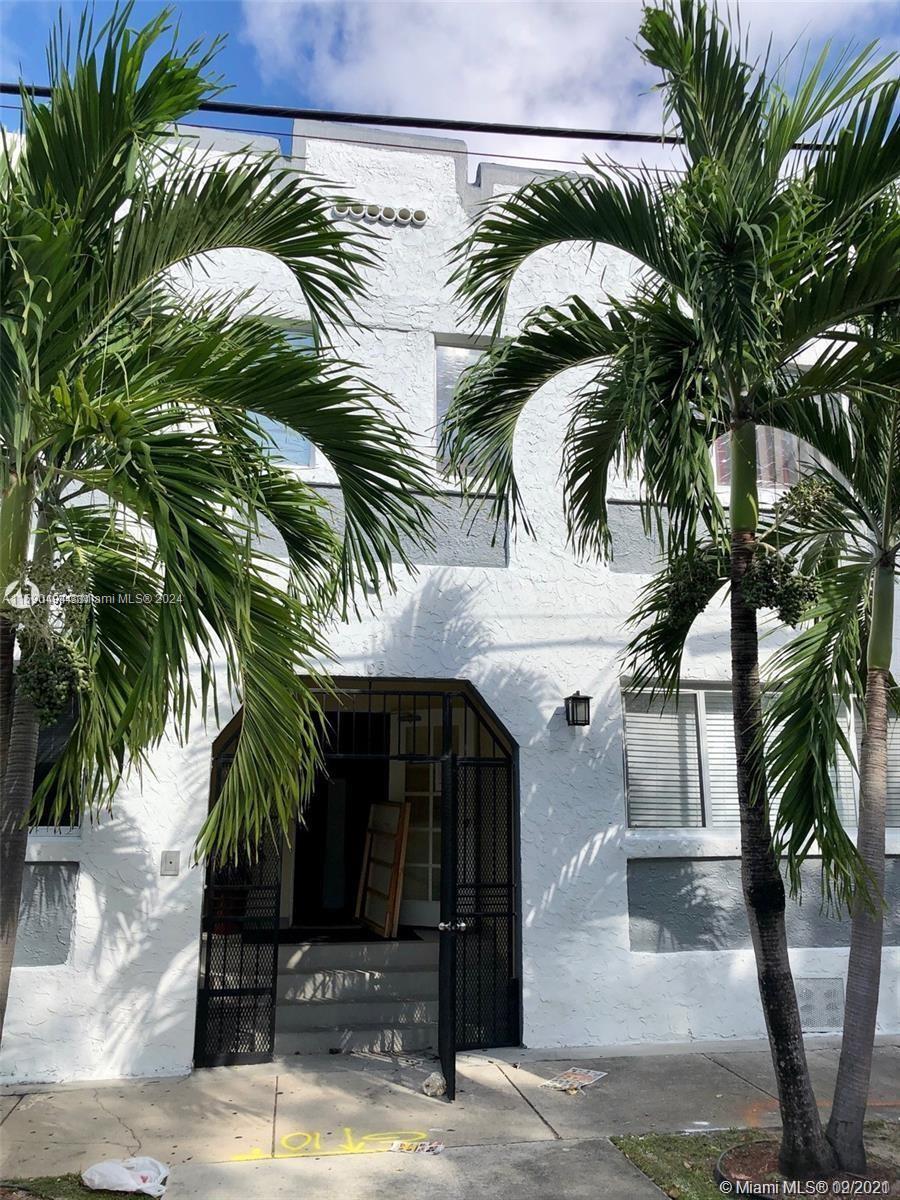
[276,111]
[357,118]
[484,154]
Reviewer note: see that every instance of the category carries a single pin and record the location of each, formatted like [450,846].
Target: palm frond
[109,99]
[812,679]
[385,483]
[608,207]
[118,641]
[652,414]
[707,85]
[249,202]
[665,613]
[822,520]
[478,431]
[856,280]
[281,724]
[859,162]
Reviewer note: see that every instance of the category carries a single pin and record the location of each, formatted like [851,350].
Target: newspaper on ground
[574,1080]
[418,1147]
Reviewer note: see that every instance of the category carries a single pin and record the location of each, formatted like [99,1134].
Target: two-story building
[589,871]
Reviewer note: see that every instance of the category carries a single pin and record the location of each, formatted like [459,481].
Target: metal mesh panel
[821,1003]
[239,961]
[486,995]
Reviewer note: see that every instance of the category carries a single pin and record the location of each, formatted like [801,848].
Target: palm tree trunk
[804,1147]
[851,1092]
[15,800]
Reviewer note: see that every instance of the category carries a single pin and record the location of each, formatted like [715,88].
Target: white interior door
[420,784]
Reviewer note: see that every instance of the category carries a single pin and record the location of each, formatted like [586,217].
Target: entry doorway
[436,751]
[330,837]
[372,756]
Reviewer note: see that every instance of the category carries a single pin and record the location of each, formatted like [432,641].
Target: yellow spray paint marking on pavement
[317,1145]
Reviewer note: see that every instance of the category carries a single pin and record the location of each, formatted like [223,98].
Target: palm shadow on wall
[106,961]
[439,631]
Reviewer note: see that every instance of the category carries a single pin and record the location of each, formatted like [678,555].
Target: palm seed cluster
[772,581]
[51,672]
[53,668]
[692,581]
[802,502]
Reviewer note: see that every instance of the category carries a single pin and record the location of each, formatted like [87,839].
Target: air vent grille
[821,1001]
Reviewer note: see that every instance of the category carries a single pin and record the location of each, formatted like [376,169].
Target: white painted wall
[123,1003]
[525,636]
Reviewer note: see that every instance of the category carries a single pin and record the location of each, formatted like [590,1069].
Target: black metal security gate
[479,973]
[238,952]
[479,986]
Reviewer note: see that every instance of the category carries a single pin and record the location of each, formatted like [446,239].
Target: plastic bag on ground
[145,1176]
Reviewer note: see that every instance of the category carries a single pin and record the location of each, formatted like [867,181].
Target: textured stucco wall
[46,914]
[122,1003]
[525,636]
[463,536]
[677,904]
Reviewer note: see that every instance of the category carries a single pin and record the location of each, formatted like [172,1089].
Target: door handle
[452,926]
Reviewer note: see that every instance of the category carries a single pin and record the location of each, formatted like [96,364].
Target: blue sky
[551,62]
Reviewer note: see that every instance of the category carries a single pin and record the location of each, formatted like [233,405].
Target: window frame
[301,329]
[698,692]
[767,489]
[451,341]
[55,831]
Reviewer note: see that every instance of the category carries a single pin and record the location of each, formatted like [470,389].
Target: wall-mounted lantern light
[578,709]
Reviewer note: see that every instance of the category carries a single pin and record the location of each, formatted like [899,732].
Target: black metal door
[479,984]
[447,995]
[239,961]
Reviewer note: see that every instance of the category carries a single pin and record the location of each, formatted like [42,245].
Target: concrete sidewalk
[317,1126]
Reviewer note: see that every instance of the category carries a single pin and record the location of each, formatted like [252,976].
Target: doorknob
[452,926]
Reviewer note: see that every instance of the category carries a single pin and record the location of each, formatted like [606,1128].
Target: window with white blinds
[681,768]
[721,805]
[893,766]
[663,761]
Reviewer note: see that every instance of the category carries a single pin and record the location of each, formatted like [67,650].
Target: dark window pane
[51,743]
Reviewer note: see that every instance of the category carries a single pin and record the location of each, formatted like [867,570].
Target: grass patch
[682,1163]
[57,1187]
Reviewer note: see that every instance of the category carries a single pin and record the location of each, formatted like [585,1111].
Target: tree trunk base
[850,1152]
[757,1165]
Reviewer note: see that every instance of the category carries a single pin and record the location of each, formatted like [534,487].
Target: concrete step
[376,1039]
[396,983]
[378,956]
[355,1014]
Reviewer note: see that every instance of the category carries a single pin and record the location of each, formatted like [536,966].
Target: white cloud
[521,61]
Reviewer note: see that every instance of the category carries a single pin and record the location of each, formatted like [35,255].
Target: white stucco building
[616,911]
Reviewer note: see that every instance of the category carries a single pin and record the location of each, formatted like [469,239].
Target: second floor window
[286,445]
[450,362]
[51,743]
[779,458]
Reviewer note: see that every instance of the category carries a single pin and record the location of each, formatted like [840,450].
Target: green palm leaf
[814,677]
[609,206]
[132,407]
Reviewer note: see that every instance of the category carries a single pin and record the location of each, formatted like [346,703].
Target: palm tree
[136,461]
[750,255]
[846,526]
